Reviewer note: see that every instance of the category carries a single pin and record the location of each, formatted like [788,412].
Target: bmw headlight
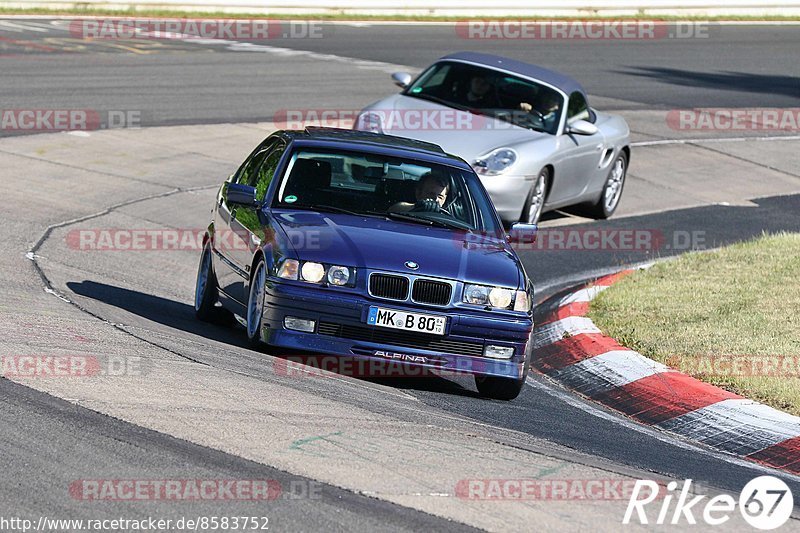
[338,275]
[369,121]
[497,297]
[288,269]
[500,298]
[313,272]
[495,162]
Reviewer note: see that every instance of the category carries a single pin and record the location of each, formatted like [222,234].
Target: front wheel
[255,304]
[205,291]
[499,388]
[534,203]
[612,190]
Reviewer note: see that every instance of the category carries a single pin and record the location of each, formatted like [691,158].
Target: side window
[266,171]
[578,108]
[247,172]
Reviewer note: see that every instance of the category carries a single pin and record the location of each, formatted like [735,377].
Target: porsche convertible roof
[551,77]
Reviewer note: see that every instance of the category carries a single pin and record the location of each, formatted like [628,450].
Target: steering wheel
[430,206]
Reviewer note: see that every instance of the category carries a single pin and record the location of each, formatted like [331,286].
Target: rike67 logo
[765,503]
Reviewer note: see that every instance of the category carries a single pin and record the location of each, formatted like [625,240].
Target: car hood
[465,134]
[381,244]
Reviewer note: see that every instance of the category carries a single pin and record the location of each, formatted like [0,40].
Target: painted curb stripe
[613,278]
[784,455]
[553,332]
[608,371]
[585,295]
[739,426]
[659,397]
[573,350]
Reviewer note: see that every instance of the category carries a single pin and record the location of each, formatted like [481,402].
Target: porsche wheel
[612,190]
[534,203]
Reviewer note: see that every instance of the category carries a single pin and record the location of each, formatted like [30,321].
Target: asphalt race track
[381,454]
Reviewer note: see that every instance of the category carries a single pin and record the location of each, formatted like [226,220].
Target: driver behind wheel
[430,194]
[546,107]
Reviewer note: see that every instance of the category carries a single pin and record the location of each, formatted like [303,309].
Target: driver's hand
[429,205]
[525,106]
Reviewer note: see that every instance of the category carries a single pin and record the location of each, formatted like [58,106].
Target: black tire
[603,208]
[531,215]
[255,304]
[499,388]
[206,292]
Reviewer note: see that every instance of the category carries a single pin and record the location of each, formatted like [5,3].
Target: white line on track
[717,140]
[19,28]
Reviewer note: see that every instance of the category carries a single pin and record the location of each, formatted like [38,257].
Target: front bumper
[341,330]
[508,194]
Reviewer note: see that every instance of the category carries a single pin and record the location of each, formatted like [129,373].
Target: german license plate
[392,318]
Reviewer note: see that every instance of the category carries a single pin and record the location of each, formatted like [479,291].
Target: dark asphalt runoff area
[189,83]
[48,442]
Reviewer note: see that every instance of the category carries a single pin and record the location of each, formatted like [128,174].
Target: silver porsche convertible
[528,132]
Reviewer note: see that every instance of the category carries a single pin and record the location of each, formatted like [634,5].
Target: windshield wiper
[334,209]
[428,221]
[430,97]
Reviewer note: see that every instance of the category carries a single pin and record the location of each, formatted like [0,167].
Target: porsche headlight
[497,297]
[313,272]
[369,121]
[495,162]
[338,275]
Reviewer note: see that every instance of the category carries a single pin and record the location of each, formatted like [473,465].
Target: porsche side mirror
[401,79]
[582,127]
[521,233]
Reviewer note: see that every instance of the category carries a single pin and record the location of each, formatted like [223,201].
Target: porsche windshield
[521,102]
[366,184]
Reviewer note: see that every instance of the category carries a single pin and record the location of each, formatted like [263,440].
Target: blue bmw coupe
[370,246]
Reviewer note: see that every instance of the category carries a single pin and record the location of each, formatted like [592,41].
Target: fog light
[498,352]
[299,324]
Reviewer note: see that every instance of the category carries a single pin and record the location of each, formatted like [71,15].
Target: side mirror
[402,79]
[238,194]
[521,233]
[582,127]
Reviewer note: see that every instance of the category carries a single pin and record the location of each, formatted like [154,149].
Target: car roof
[373,142]
[551,77]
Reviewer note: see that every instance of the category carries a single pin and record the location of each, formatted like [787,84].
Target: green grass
[740,302]
[172,13]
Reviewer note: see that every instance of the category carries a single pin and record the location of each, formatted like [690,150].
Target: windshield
[515,100]
[365,184]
